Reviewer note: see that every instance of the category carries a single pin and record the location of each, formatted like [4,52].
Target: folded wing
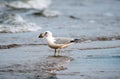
[62,40]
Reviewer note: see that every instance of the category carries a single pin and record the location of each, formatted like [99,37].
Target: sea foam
[29,4]
[13,23]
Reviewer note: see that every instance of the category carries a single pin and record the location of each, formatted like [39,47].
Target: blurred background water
[72,18]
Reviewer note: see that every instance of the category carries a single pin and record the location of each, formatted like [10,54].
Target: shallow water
[95,23]
[92,64]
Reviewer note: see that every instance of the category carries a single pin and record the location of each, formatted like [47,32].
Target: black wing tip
[75,40]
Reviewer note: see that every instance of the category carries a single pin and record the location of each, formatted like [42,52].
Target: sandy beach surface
[96,23]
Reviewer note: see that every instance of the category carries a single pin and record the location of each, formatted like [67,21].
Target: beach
[96,23]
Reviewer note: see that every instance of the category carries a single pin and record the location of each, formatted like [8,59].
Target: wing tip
[75,40]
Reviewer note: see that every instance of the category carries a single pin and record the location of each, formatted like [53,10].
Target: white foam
[14,23]
[28,4]
[50,13]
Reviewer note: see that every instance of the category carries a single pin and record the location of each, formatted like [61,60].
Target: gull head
[45,34]
[48,34]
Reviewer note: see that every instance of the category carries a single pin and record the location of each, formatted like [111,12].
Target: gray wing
[62,40]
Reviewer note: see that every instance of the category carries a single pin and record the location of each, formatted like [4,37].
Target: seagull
[57,43]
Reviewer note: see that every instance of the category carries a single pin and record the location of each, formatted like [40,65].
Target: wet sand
[36,61]
[31,64]
[93,64]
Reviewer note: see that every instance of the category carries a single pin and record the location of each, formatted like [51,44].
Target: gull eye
[46,33]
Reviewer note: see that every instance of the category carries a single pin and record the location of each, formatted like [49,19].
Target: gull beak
[41,35]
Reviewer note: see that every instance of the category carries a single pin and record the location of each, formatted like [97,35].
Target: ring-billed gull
[56,43]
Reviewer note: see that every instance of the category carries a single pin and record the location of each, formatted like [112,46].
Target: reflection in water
[44,69]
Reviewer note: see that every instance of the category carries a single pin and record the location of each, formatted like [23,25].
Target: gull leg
[58,52]
[55,53]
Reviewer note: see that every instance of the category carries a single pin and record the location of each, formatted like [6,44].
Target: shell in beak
[41,35]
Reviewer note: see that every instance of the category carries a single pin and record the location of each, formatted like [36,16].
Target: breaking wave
[28,4]
[12,23]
